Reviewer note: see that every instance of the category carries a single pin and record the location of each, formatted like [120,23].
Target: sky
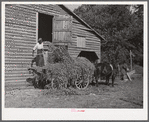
[72,7]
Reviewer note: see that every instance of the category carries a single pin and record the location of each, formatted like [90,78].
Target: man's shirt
[38,46]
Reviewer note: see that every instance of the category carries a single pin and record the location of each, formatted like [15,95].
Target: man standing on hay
[39,57]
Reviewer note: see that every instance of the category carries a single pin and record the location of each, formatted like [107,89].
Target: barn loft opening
[45,27]
[90,55]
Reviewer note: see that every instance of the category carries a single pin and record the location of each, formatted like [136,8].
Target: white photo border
[66,114]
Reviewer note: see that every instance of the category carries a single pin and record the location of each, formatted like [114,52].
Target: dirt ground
[122,95]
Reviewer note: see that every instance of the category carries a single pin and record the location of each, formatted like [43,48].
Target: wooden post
[131,60]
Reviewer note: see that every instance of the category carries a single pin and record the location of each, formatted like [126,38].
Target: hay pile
[58,54]
[62,70]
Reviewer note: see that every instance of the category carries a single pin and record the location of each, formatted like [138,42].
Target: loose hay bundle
[59,54]
[57,74]
[67,74]
[86,65]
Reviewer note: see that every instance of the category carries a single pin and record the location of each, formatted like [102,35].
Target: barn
[25,23]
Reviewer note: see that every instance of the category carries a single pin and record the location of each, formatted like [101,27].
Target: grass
[138,69]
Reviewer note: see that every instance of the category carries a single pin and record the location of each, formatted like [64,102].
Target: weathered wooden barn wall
[92,42]
[20,38]
[80,29]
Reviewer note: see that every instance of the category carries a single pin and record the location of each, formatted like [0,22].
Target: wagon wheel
[82,82]
[54,83]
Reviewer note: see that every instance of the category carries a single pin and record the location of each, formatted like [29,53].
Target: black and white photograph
[74,60]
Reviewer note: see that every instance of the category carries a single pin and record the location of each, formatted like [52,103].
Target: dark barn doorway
[45,27]
[91,56]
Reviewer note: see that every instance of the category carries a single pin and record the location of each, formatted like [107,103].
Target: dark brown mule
[105,70]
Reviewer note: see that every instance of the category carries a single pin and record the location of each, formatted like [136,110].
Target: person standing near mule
[123,70]
[39,57]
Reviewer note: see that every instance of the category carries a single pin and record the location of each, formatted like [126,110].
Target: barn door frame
[37,23]
[65,28]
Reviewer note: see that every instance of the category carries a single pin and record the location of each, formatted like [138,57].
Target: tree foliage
[120,25]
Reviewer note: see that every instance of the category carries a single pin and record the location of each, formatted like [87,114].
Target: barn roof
[95,32]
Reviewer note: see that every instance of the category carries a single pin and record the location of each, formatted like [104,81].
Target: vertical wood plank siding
[20,38]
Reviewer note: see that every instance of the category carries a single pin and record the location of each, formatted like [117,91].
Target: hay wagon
[25,23]
[56,81]
[61,70]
